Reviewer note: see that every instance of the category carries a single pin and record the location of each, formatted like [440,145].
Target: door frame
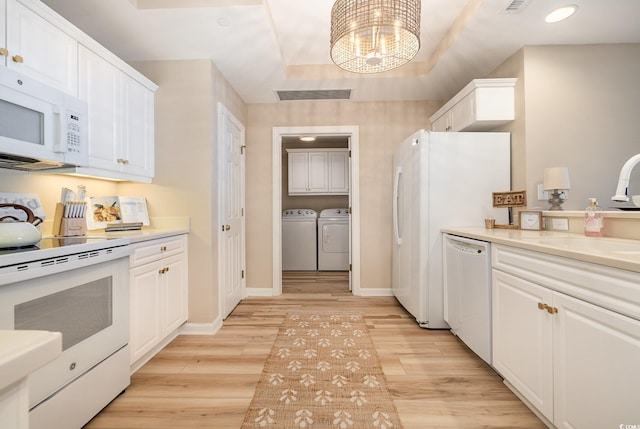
[222,112]
[350,131]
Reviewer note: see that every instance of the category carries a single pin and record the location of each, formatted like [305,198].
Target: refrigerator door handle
[396,208]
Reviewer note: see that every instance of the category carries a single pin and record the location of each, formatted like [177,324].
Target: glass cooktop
[51,243]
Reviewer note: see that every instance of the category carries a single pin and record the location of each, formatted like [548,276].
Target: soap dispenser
[593,221]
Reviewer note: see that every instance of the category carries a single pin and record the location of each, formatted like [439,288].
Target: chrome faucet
[622,191]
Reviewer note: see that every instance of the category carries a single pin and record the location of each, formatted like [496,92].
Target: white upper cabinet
[338,174]
[120,119]
[318,172]
[137,150]
[4,52]
[38,48]
[39,43]
[481,106]
[101,88]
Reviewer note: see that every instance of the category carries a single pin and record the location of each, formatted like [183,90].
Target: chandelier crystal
[373,36]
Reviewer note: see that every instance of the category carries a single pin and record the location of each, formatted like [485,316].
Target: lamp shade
[373,36]
[556,178]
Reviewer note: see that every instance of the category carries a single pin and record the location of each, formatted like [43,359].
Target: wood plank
[208,381]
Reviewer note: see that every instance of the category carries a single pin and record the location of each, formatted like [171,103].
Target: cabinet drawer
[153,250]
[615,289]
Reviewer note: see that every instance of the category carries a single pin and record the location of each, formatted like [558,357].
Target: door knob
[4,52]
[227,227]
[17,59]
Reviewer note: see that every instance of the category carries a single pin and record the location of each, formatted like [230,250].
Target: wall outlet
[560,224]
[542,194]
[545,195]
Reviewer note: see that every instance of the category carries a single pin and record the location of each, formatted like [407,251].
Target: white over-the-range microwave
[41,128]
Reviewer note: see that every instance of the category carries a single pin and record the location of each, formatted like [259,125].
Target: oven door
[90,306]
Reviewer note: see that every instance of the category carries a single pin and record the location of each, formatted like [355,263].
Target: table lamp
[556,179]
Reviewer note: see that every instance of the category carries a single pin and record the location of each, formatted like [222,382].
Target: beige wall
[48,186]
[514,67]
[581,109]
[381,126]
[185,184]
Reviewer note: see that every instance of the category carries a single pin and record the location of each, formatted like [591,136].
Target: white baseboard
[375,292]
[201,328]
[259,291]
[264,292]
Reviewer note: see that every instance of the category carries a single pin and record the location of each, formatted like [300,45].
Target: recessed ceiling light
[307,138]
[561,13]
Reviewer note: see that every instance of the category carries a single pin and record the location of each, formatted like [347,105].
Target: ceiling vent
[328,94]
[515,6]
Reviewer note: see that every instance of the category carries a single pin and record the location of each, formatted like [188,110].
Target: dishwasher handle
[467,248]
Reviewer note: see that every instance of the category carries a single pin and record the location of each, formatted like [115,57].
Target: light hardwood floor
[208,381]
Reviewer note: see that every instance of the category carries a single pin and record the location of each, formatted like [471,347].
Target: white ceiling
[271,45]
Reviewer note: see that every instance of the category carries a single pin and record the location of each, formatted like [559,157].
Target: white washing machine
[333,240]
[299,249]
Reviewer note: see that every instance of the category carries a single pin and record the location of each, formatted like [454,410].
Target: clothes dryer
[333,240]
[299,248]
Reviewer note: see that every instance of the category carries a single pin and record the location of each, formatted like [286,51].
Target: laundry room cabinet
[567,337]
[318,172]
[159,293]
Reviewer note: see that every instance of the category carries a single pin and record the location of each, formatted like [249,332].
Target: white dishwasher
[467,292]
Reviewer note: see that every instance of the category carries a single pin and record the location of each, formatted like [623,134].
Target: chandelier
[372,36]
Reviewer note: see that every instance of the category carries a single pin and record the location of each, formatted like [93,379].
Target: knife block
[68,226]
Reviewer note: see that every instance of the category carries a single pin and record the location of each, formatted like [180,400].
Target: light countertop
[22,352]
[612,252]
[140,235]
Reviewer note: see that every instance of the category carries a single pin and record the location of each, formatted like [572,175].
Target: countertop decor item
[509,200]
[374,36]
[531,219]
[15,232]
[323,371]
[556,179]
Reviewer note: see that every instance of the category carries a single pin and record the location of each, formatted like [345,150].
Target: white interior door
[350,214]
[232,281]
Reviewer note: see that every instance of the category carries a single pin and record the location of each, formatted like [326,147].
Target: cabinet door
[146,330]
[318,180]
[174,286]
[136,152]
[100,87]
[463,113]
[4,51]
[338,172]
[298,173]
[596,366]
[522,339]
[40,50]
[442,124]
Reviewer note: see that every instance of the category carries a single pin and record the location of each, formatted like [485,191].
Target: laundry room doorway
[332,143]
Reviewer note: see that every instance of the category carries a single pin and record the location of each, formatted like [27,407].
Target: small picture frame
[531,220]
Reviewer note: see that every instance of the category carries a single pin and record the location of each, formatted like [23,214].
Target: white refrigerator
[440,180]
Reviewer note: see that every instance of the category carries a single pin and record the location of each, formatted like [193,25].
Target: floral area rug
[322,372]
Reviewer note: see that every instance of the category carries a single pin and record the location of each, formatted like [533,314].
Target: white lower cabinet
[159,290]
[522,342]
[573,361]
